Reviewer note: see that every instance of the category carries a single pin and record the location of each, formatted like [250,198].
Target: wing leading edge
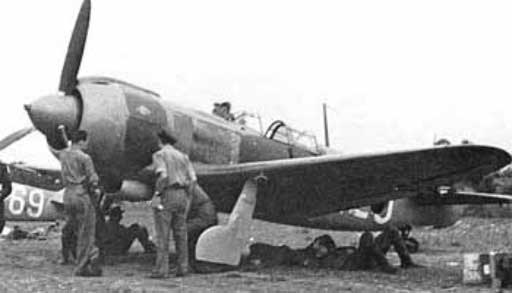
[297,189]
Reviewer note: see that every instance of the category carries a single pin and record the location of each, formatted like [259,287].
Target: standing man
[80,178]
[176,178]
[5,181]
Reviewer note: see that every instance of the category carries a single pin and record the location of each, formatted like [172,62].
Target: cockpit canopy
[281,132]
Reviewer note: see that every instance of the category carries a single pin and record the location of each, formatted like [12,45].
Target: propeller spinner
[47,113]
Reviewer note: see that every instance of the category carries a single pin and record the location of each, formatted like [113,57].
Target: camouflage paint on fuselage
[123,120]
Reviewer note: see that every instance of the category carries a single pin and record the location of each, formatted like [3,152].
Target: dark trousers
[79,209]
[203,218]
[2,217]
[121,245]
[368,255]
[173,215]
[69,240]
[391,237]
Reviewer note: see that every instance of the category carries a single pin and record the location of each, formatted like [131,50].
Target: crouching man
[118,238]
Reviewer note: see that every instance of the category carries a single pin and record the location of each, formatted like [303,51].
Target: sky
[395,74]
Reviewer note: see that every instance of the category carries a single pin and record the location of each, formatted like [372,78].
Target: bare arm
[92,176]
[192,176]
[191,171]
[160,168]
[158,165]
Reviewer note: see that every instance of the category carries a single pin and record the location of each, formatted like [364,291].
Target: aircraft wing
[45,178]
[308,187]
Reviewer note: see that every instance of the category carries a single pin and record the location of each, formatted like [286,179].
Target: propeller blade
[68,77]
[15,136]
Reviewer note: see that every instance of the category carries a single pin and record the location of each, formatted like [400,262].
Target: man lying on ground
[323,253]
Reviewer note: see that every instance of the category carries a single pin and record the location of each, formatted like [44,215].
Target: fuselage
[28,203]
[396,213]
[122,120]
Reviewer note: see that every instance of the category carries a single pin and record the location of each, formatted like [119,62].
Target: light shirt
[77,167]
[173,168]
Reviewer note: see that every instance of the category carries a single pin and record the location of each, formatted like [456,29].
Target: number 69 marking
[35,205]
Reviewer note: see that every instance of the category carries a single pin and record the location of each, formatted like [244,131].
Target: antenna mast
[326,125]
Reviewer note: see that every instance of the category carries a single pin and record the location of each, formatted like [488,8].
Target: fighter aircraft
[37,196]
[243,171]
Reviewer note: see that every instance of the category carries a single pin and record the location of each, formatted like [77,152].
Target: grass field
[33,265]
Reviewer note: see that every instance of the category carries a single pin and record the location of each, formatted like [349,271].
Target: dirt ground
[33,265]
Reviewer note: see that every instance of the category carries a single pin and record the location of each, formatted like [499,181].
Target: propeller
[68,77]
[47,113]
[14,137]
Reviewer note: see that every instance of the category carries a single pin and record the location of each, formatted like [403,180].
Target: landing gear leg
[223,244]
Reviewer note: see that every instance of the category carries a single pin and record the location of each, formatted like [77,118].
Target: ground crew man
[118,238]
[176,178]
[201,216]
[6,184]
[370,254]
[391,237]
[411,244]
[322,252]
[79,179]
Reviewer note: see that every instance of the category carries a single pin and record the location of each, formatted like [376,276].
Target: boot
[405,259]
[181,271]
[388,269]
[149,247]
[408,263]
[95,268]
